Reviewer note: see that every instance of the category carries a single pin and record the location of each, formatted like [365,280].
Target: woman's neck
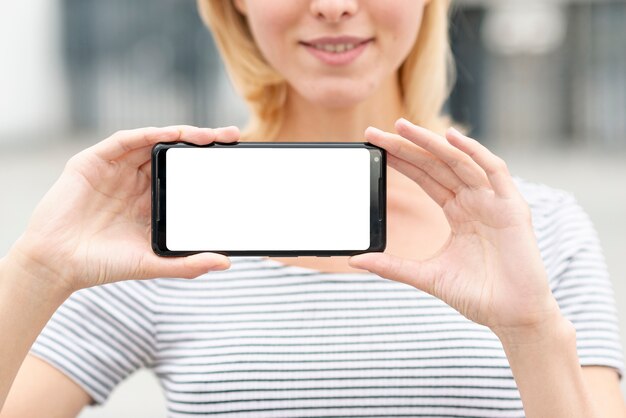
[307,122]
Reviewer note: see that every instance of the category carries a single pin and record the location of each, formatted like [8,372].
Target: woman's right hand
[94,225]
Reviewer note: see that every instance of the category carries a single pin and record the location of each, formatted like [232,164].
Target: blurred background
[541,83]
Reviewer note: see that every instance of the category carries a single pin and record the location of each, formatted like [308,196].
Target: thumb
[186,267]
[419,274]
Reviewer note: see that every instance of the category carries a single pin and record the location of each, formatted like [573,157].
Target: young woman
[499,303]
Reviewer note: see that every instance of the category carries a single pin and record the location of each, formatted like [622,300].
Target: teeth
[336,48]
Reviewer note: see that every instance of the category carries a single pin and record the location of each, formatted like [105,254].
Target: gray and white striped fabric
[264,339]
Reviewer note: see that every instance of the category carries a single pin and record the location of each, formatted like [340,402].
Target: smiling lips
[340,50]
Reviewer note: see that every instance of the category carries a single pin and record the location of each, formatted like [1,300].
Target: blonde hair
[425,76]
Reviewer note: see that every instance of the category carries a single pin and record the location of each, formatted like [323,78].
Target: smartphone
[268,198]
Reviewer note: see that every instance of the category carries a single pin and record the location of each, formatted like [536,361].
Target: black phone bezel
[378,198]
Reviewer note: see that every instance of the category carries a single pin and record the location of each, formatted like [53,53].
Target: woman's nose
[333,10]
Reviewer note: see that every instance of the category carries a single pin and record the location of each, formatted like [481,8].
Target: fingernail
[354,265]
[373,129]
[456,133]
[356,259]
[221,267]
[221,263]
[404,124]
[373,134]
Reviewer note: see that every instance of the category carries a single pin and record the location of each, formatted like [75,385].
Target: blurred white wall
[32,98]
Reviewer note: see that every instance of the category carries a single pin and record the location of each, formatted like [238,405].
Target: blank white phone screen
[247,199]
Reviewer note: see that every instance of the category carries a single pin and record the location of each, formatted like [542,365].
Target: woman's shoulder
[559,220]
[563,228]
[541,196]
[554,210]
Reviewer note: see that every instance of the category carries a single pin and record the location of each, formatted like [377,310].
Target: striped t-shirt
[264,339]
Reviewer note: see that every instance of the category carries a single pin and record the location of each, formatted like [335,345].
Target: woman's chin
[336,92]
[337,99]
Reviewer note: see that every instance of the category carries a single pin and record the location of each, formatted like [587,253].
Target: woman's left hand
[490,269]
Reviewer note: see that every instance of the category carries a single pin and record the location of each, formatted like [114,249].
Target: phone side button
[381,200]
[158,200]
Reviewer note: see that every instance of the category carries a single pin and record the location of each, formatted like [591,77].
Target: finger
[184,267]
[433,188]
[227,134]
[495,167]
[138,156]
[459,162]
[408,151]
[200,136]
[419,274]
[123,142]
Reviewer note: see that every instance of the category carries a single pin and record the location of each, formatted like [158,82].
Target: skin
[483,258]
